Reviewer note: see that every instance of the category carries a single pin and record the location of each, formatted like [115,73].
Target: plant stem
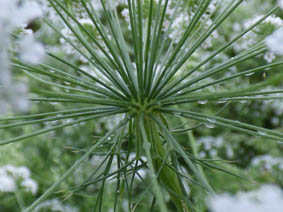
[160,158]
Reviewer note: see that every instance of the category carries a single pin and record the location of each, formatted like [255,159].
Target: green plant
[144,85]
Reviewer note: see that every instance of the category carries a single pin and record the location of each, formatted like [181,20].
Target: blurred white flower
[18,172]
[12,15]
[5,77]
[14,96]
[96,5]
[11,175]
[267,198]
[7,183]
[86,21]
[55,205]
[30,185]
[274,20]
[281,3]
[30,50]
[274,41]
[269,57]
[268,162]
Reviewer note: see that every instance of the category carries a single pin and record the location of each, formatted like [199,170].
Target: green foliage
[152,83]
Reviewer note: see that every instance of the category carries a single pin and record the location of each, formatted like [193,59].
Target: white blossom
[275,41]
[267,198]
[274,20]
[269,57]
[30,185]
[281,3]
[7,183]
[11,175]
[15,96]
[55,205]
[30,50]
[20,172]
[12,15]
[268,162]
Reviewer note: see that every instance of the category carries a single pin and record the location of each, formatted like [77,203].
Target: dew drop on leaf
[178,113]
[222,101]
[202,102]
[209,125]
[67,83]
[249,74]
[261,133]
[211,120]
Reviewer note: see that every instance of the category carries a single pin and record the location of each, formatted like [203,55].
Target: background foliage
[49,156]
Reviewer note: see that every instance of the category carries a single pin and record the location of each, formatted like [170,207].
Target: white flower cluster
[14,95]
[251,38]
[211,146]
[276,105]
[267,198]
[268,162]
[182,20]
[55,205]
[11,177]
[275,41]
[12,15]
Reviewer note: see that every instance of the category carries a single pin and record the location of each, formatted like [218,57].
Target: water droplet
[243,101]
[52,71]
[178,113]
[209,125]
[267,69]
[261,133]
[222,101]
[202,102]
[250,74]
[211,121]
[54,122]
[68,120]
[53,103]
[67,83]
[67,90]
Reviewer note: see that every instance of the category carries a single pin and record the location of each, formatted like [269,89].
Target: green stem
[195,153]
[159,154]
[153,176]
[19,198]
